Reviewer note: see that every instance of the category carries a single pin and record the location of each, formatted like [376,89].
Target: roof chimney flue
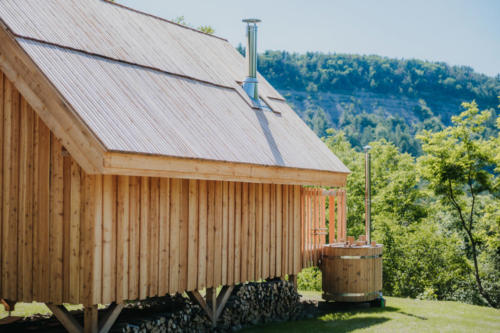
[250,83]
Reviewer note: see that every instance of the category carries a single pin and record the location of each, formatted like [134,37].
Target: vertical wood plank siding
[313,219]
[66,236]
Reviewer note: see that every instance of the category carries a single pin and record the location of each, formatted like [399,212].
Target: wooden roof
[141,95]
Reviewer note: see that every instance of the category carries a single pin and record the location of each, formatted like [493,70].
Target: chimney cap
[251,20]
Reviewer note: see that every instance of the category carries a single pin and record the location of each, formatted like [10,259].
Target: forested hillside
[435,164]
[373,97]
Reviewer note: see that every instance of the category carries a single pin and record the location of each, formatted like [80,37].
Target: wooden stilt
[90,319]
[110,317]
[293,279]
[222,300]
[213,304]
[65,318]
[211,297]
[196,297]
[91,324]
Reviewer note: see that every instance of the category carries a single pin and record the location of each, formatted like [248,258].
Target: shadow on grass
[344,323]
[348,325]
[333,317]
[412,315]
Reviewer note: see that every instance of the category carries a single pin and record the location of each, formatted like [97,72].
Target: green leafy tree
[203,28]
[458,165]
[395,189]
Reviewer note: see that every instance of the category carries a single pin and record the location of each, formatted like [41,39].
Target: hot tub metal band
[354,294]
[353,257]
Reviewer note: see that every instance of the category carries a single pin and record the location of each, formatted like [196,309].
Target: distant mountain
[373,97]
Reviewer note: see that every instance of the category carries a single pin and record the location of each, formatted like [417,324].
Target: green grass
[29,309]
[399,315]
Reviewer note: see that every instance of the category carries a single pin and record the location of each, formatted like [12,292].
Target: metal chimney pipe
[368,197]
[250,83]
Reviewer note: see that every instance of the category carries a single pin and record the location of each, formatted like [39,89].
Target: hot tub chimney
[250,83]
[368,195]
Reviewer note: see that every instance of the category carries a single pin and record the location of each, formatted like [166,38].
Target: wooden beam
[213,304]
[211,299]
[222,300]
[168,166]
[91,322]
[90,319]
[196,297]
[110,317]
[65,318]
[293,279]
[49,104]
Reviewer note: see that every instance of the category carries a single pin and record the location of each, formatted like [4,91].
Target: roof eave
[118,163]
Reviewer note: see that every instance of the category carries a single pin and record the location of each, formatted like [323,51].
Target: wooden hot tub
[351,273]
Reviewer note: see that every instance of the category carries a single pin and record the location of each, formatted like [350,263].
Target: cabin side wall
[44,236]
[66,236]
[174,235]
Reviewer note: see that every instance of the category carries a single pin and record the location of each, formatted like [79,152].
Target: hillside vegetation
[435,164]
[373,97]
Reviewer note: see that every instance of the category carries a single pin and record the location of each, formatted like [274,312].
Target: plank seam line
[121,61]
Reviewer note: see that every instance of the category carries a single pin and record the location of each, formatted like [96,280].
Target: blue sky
[458,32]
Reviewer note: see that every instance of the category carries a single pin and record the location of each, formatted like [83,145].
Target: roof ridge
[121,61]
[111,2]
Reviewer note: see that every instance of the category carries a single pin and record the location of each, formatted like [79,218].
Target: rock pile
[249,304]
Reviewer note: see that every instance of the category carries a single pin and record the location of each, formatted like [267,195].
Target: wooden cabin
[135,165]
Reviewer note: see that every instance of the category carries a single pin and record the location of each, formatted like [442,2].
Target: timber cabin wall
[69,237]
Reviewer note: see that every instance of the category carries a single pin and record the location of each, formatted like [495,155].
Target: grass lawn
[399,315]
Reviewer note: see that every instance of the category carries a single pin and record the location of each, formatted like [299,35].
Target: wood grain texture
[258,231]
[164,233]
[230,234]
[266,228]
[144,238]
[237,232]
[252,233]
[184,232]
[154,239]
[175,216]
[123,239]
[202,253]
[192,269]
[25,230]
[134,211]
[218,238]
[225,232]
[210,233]
[245,212]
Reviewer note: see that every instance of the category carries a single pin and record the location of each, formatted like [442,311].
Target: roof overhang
[166,166]
[93,157]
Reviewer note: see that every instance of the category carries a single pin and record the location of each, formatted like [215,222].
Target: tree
[203,28]
[394,183]
[458,165]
